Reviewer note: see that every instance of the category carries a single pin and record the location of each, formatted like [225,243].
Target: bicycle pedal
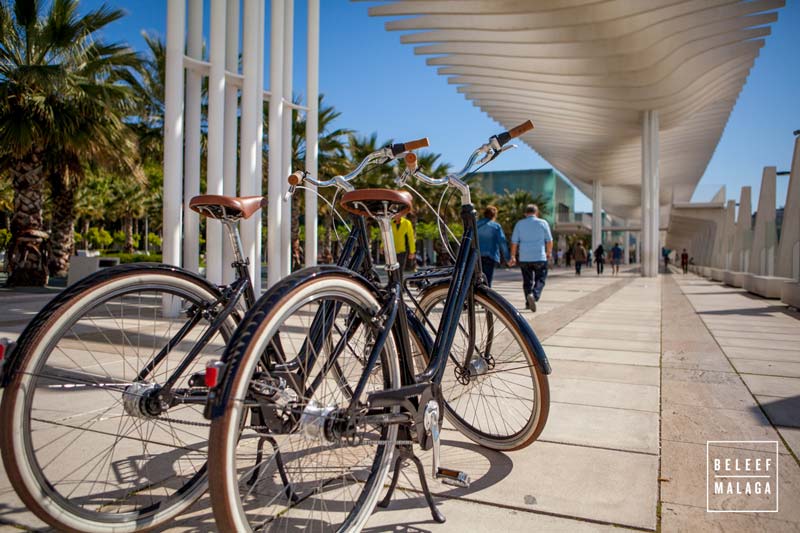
[455,478]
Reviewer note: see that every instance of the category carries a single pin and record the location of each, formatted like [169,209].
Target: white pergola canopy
[585,71]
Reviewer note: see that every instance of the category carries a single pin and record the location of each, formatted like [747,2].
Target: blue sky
[380,86]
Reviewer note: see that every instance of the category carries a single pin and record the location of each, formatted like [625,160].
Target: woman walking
[600,258]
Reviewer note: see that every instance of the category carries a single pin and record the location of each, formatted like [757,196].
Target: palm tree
[129,202]
[64,94]
[511,208]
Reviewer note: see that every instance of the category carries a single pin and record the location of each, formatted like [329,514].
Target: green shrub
[5,238]
[99,239]
[154,240]
[135,258]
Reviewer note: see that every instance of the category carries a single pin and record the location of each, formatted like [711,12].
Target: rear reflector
[213,373]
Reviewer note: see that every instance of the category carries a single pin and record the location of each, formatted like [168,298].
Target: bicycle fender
[219,396]
[14,359]
[524,327]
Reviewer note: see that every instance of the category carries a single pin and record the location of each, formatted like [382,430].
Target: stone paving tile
[560,339]
[601,356]
[755,344]
[619,429]
[703,388]
[605,394]
[774,368]
[617,373]
[591,483]
[692,423]
[694,360]
[677,518]
[772,385]
[763,354]
[609,332]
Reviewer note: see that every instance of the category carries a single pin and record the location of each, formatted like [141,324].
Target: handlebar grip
[399,148]
[295,178]
[516,131]
[519,130]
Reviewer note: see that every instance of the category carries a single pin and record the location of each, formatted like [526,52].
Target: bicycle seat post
[385,225]
[239,262]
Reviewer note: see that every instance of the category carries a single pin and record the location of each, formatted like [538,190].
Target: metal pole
[216,135]
[231,140]
[286,155]
[276,168]
[312,129]
[191,183]
[251,116]
[257,219]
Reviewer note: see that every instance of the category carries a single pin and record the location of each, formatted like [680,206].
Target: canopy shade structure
[585,71]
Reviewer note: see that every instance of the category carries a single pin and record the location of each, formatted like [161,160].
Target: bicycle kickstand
[406,452]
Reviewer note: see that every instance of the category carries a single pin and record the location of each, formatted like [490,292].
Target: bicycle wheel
[502,399]
[86,440]
[290,468]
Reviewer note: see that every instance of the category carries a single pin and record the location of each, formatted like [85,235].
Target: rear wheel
[501,399]
[297,464]
[89,439]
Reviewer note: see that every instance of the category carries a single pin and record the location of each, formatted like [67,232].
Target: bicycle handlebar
[489,151]
[386,154]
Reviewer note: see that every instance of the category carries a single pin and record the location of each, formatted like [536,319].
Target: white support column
[286,142]
[626,247]
[216,135]
[251,105]
[276,168]
[231,140]
[191,180]
[312,129]
[173,132]
[597,214]
[650,195]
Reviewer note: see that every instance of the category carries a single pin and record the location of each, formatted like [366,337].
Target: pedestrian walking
[600,258]
[685,261]
[580,257]
[665,254]
[404,241]
[589,258]
[534,242]
[616,258]
[492,242]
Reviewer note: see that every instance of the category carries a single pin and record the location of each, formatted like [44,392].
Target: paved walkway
[645,371]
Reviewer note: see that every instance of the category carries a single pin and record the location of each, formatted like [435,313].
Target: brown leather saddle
[377,202]
[230,208]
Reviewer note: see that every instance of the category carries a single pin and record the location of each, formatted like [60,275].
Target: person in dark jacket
[492,242]
[600,258]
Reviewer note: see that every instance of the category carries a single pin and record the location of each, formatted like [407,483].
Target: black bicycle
[357,381]
[102,416]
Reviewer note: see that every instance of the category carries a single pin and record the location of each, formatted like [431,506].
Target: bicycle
[347,397]
[83,343]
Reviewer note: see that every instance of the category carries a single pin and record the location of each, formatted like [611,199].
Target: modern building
[547,183]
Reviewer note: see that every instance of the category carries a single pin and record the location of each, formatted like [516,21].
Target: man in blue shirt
[616,258]
[534,241]
[492,242]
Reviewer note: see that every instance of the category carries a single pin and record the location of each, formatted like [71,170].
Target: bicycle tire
[48,378]
[237,494]
[477,417]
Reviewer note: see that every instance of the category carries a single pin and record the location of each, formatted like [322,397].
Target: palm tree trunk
[85,233]
[62,239]
[128,228]
[24,261]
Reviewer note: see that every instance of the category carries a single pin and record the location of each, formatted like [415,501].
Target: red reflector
[212,373]
[2,350]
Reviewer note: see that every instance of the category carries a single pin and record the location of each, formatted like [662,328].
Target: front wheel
[298,464]
[500,399]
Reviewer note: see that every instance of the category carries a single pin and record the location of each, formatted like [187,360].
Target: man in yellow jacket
[405,242]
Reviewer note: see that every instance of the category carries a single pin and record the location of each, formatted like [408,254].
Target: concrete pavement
[645,371]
